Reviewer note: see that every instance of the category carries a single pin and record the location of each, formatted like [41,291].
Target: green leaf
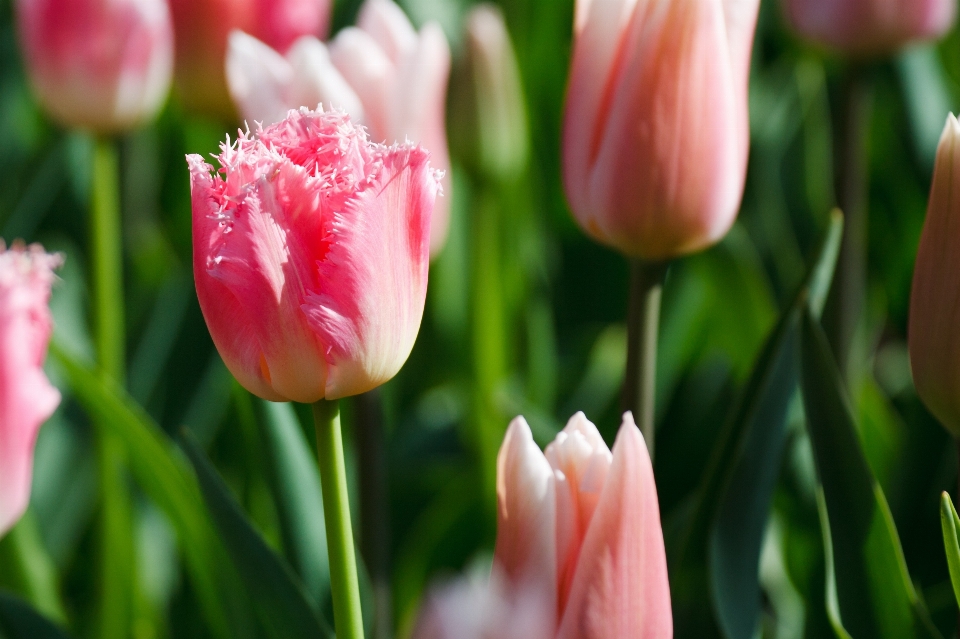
[166,479]
[750,460]
[870,593]
[283,605]
[299,501]
[951,529]
[19,621]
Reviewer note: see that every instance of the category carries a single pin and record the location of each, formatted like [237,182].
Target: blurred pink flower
[98,65]
[579,551]
[870,27]
[655,129]
[26,397]
[934,341]
[387,76]
[202,28]
[311,257]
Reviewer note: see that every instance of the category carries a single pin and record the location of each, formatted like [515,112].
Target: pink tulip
[870,27]
[383,73]
[26,397]
[202,29]
[934,309]
[655,130]
[96,64]
[311,256]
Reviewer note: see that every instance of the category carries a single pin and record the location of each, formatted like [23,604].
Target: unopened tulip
[386,75]
[26,397]
[202,29]
[935,300]
[869,27]
[311,255]
[104,66]
[656,132]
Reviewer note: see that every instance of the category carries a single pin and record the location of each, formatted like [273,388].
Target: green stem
[643,323]
[344,584]
[116,535]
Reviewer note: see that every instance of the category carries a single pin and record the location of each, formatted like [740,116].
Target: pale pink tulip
[311,255]
[386,75]
[935,300]
[655,129]
[26,397]
[870,27]
[202,29]
[97,64]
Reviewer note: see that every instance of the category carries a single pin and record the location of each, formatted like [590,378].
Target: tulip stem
[344,584]
[643,324]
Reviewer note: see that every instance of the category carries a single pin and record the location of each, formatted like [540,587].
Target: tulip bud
[935,300]
[656,131]
[310,250]
[489,98]
[26,397]
[202,30]
[869,27]
[387,76]
[97,65]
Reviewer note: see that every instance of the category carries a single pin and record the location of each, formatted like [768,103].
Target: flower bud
[869,27]
[98,65]
[26,397]
[311,255]
[933,338]
[656,131]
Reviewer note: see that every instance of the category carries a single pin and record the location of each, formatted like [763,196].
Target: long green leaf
[19,621]
[871,594]
[951,531]
[283,604]
[167,481]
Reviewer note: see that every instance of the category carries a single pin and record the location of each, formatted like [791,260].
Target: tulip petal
[389,27]
[620,586]
[317,81]
[259,79]
[369,71]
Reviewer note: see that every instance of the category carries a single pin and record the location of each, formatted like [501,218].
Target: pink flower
[387,76]
[311,256]
[870,27]
[934,310]
[98,65]
[26,397]
[655,130]
[202,28]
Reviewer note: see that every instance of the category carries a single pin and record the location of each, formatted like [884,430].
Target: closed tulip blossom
[934,341]
[656,135]
[869,27]
[26,397]
[387,76]
[95,64]
[202,30]
[311,255]
[579,542]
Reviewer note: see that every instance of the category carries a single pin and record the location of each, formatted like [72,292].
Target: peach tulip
[935,300]
[26,397]
[870,27]
[386,75]
[656,132]
[202,29]
[97,64]
[311,255]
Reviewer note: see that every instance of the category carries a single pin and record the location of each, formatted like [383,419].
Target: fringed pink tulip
[26,397]
[311,255]
[104,66]
[386,75]
[869,27]
[202,29]
[935,300]
[655,130]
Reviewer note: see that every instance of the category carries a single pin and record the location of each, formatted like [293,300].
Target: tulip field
[445,319]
